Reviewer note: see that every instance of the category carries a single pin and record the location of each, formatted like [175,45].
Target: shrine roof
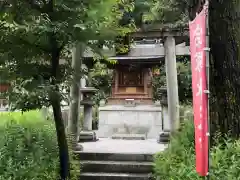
[138,59]
[145,60]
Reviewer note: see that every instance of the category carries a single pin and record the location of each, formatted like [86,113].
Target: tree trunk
[224,22]
[55,99]
[61,137]
[73,118]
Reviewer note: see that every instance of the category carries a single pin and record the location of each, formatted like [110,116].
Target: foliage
[179,157]
[141,7]
[175,13]
[168,12]
[29,95]
[42,32]
[158,81]
[30,32]
[178,161]
[224,64]
[28,147]
[184,81]
[135,17]
[101,78]
[224,71]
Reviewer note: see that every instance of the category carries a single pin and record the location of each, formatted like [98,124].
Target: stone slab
[148,108]
[108,145]
[141,119]
[114,176]
[123,157]
[116,166]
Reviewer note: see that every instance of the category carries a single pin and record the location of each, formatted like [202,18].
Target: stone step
[114,176]
[129,136]
[114,156]
[116,166]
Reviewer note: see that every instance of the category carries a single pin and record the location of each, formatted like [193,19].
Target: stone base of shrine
[137,120]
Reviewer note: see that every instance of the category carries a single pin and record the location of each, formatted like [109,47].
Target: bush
[178,161]
[184,82]
[28,147]
[101,78]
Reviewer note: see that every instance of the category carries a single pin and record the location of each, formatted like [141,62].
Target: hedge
[178,161]
[28,147]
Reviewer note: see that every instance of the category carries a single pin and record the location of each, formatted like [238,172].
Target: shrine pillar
[172,83]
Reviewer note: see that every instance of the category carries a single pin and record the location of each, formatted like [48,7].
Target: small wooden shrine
[130,110]
[132,81]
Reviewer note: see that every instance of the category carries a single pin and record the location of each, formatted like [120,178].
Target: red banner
[197,30]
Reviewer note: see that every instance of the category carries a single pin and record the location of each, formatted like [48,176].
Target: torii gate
[170,49]
[175,42]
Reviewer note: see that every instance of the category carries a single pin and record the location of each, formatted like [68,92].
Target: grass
[28,147]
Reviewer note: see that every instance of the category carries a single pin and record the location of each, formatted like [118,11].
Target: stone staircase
[115,166]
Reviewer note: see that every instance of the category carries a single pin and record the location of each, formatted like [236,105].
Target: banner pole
[208,87]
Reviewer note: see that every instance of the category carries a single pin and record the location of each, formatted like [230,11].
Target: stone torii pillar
[172,83]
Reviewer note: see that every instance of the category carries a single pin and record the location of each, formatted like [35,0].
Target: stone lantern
[86,133]
[163,94]
[164,135]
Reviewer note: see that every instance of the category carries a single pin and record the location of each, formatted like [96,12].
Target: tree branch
[43,9]
[35,45]
[34,6]
[61,46]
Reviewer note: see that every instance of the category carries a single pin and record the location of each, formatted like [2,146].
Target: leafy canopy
[33,32]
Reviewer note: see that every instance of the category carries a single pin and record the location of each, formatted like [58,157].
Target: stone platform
[108,145]
[140,120]
[109,159]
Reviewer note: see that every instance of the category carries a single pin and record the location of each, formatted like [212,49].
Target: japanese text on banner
[199,85]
